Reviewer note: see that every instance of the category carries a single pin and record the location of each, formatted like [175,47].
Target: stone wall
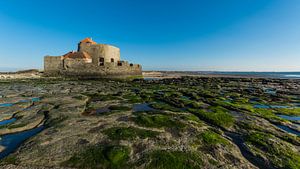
[80,68]
[53,64]
[100,50]
[77,67]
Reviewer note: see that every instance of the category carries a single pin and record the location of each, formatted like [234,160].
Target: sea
[283,75]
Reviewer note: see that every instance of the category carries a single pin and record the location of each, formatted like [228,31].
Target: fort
[91,60]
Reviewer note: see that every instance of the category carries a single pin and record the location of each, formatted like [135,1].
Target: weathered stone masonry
[90,60]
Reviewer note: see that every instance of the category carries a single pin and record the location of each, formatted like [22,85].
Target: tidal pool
[102,110]
[35,99]
[12,141]
[289,130]
[280,107]
[8,121]
[6,104]
[142,107]
[263,106]
[152,78]
[186,97]
[270,91]
[291,118]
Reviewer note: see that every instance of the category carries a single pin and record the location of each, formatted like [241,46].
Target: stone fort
[91,60]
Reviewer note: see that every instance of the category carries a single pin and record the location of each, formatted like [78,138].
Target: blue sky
[224,35]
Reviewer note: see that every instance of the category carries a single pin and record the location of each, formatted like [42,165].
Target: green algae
[278,152]
[11,159]
[216,115]
[129,133]
[157,121]
[194,108]
[100,156]
[102,97]
[164,106]
[211,138]
[162,159]
[133,98]
[288,111]
[192,118]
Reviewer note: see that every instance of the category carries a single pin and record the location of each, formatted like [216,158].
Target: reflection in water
[289,130]
[291,118]
[12,141]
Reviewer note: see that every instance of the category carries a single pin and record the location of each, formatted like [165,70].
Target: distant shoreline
[176,74]
[34,73]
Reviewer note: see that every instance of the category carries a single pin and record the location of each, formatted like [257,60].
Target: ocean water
[286,75]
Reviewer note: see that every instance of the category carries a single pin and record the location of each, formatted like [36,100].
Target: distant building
[90,60]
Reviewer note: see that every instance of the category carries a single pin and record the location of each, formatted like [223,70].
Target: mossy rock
[164,106]
[268,114]
[278,152]
[192,117]
[157,121]
[129,133]
[100,156]
[56,121]
[11,159]
[288,111]
[79,97]
[211,138]
[162,159]
[132,98]
[102,97]
[17,125]
[218,116]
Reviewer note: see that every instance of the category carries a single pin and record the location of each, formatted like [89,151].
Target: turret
[85,42]
[100,53]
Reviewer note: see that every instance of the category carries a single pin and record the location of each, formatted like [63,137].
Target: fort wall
[53,64]
[101,51]
[91,60]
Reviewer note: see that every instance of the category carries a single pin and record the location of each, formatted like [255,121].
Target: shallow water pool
[289,130]
[6,104]
[8,121]
[291,118]
[12,141]
[35,99]
[142,107]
